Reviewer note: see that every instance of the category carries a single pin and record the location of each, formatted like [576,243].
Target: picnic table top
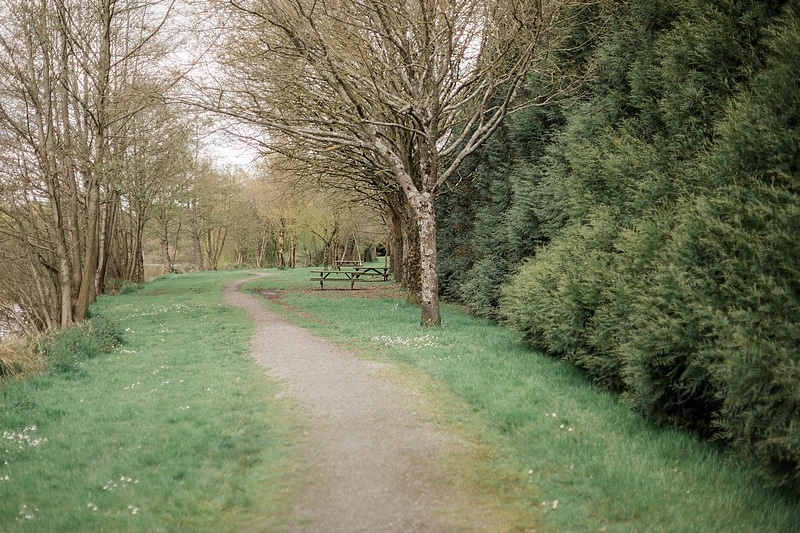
[354,271]
[357,269]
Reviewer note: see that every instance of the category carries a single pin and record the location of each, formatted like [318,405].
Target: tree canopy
[414,88]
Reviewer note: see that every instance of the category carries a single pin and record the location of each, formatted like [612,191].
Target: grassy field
[178,429]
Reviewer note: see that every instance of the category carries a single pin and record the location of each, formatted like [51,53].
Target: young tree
[419,85]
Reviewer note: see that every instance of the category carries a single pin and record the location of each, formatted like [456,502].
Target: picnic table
[354,274]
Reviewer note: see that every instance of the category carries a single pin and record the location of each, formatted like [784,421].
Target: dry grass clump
[19,357]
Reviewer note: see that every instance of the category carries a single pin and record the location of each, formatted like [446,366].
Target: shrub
[753,224]
[713,344]
[627,280]
[481,291]
[553,299]
[65,349]
[670,326]
[755,363]
[117,286]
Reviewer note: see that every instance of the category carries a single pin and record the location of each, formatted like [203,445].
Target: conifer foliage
[668,199]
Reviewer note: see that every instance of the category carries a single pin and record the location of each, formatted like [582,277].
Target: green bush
[752,238]
[553,300]
[628,277]
[676,278]
[64,350]
[670,325]
[713,344]
[119,286]
[481,291]
[755,362]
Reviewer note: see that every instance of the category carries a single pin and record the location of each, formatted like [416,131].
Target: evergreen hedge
[671,202]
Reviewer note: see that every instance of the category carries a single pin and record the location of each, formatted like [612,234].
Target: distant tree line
[648,229]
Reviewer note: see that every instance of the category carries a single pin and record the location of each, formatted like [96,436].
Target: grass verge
[560,455]
[177,429]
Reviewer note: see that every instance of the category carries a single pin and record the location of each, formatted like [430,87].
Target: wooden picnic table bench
[356,274]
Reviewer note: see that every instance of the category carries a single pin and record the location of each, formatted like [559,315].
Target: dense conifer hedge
[660,216]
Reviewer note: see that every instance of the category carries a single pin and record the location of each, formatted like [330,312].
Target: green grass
[549,435]
[178,429]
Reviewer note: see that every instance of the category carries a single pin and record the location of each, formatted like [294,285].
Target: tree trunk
[197,249]
[395,251]
[87,295]
[136,274]
[62,252]
[281,244]
[165,257]
[262,247]
[429,290]
[106,231]
[412,273]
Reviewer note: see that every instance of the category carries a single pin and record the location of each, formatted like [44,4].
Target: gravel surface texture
[373,458]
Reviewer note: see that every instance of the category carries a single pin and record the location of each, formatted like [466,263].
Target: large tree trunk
[136,274]
[429,286]
[420,195]
[86,295]
[412,273]
[107,230]
[396,243]
[62,252]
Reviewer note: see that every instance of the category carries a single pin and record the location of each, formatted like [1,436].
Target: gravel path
[373,458]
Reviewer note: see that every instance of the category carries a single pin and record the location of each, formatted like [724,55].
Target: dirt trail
[373,460]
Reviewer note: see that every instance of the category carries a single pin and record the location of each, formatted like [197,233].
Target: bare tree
[71,75]
[155,150]
[418,86]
